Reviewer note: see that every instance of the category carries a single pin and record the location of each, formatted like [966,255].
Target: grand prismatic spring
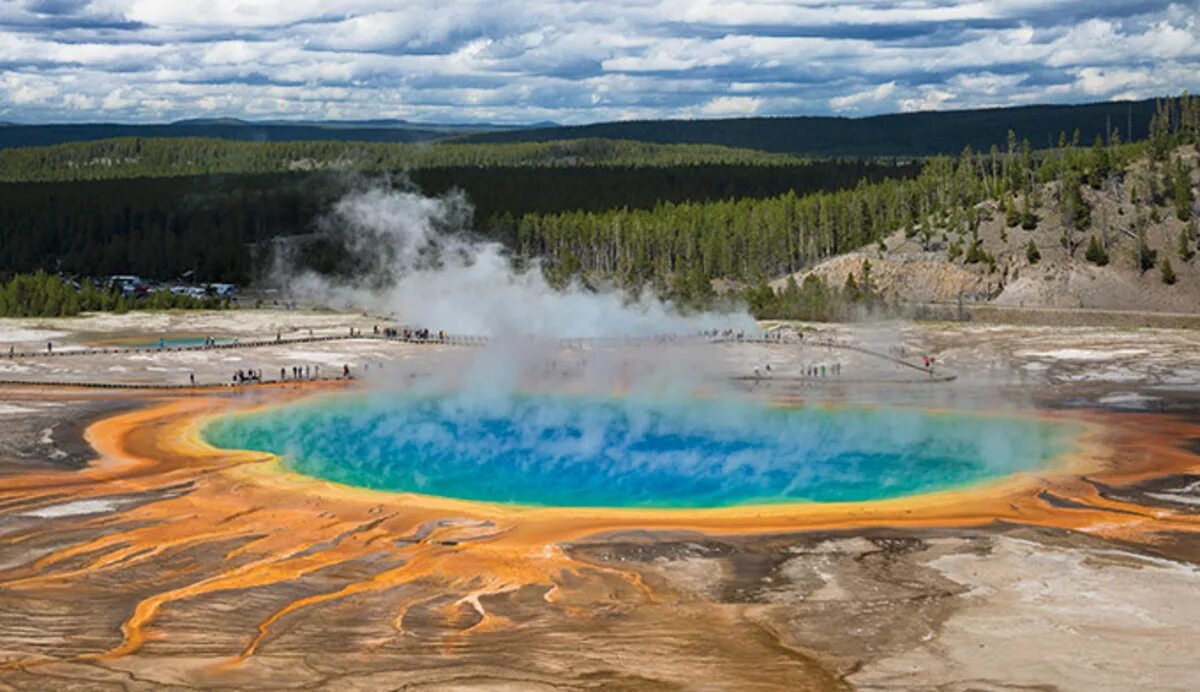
[771,533]
[563,451]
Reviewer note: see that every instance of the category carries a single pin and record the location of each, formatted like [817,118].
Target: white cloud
[853,101]
[930,99]
[1099,81]
[116,100]
[523,60]
[79,102]
[24,90]
[732,105]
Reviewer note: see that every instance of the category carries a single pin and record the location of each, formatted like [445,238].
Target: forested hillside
[148,158]
[161,227]
[678,247]
[902,134]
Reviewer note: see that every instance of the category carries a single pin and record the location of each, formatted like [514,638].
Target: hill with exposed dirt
[1130,216]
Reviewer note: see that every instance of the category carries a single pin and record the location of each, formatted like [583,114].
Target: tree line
[47,295]
[218,226]
[136,157]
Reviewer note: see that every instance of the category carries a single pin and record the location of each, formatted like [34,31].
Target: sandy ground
[79,332]
[989,605]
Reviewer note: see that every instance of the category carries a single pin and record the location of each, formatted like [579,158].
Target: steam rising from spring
[416,260]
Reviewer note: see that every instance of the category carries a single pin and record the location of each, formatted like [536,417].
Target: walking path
[447,339]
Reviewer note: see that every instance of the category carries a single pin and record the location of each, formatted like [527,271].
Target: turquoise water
[173,342]
[154,342]
[555,450]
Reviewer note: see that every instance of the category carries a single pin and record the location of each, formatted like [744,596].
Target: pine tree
[1029,220]
[850,290]
[1012,216]
[1096,254]
[1031,253]
[762,300]
[1168,274]
[865,284]
[1187,242]
[1181,190]
[975,253]
[1100,165]
[1145,256]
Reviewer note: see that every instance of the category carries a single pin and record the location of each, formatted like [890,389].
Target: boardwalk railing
[451,340]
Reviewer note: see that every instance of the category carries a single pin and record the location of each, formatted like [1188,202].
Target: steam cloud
[416,260]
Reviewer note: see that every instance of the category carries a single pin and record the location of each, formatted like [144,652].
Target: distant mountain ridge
[13,135]
[899,134]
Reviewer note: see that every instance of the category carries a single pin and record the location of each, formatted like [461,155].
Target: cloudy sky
[579,61]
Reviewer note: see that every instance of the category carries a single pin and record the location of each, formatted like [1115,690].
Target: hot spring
[577,451]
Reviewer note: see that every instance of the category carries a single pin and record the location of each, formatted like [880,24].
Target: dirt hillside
[908,269]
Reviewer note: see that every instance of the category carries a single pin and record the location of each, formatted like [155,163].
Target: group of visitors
[247,376]
[822,370]
[301,372]
[410,334]
[817,371]
[295,373]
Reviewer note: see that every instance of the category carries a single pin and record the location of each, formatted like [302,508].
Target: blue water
[172,342]
[555,450]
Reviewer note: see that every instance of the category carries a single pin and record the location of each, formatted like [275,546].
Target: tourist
[192,378]
[346,371]
[282,375]
[49,347]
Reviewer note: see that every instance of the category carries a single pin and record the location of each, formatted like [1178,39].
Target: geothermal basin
[561,450]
